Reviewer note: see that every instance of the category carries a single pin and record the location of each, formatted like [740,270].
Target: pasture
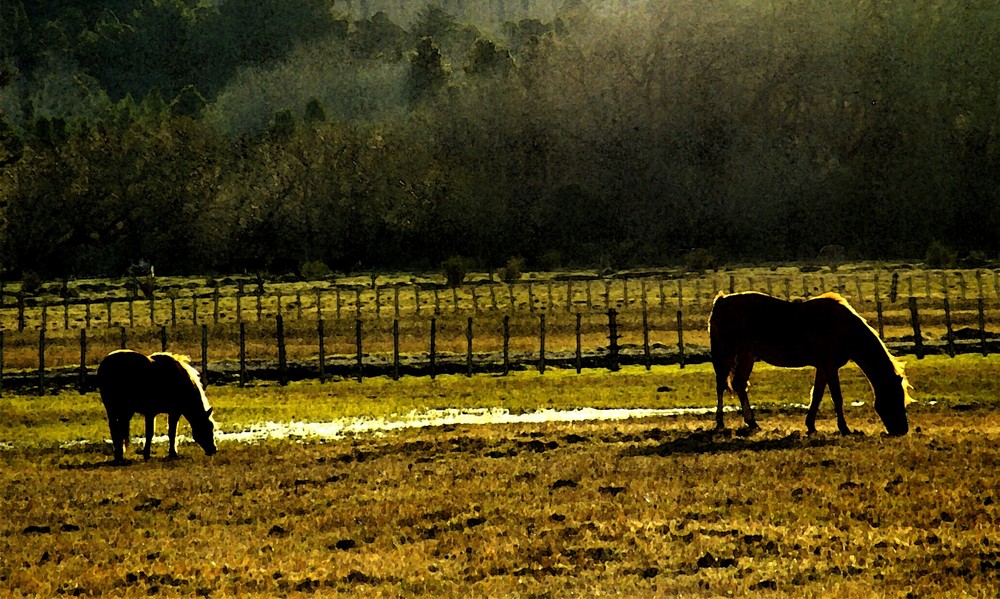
[646,507]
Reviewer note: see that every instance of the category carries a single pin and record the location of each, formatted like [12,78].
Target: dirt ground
[650,507]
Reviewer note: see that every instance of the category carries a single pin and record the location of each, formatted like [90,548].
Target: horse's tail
[723,360]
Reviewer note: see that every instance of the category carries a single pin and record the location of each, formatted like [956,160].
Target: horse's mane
[897,365]
[185,363]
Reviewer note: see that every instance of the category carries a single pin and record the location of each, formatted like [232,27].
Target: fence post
[680,337]
[124,336]
[321,335]
[579,345]
[613,364]
[541,343]
[243,354]
[41,361]
[982,326]
[204,355]
[239,301]
[645,339]
[83,361]
[395,348]
[506,344]
[20,311]
[433,346]
[282,357]
[918,341]
[152,308]
[163,338]
[468,352]
[881,322]
[947,324]
[357,335]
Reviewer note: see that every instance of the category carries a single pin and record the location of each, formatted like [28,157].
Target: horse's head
[203,431]
[890,405]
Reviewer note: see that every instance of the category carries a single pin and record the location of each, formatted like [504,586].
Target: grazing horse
[824,332]
[132,383]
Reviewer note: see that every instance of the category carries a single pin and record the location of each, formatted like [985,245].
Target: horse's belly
[786,359]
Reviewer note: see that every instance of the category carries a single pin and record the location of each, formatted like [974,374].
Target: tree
[428,72]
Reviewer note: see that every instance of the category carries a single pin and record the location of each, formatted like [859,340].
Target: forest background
[267,135]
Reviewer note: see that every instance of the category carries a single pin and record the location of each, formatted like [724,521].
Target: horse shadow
[97,459]
[708,442]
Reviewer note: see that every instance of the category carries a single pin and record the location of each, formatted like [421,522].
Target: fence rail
[173,302]
[284,350]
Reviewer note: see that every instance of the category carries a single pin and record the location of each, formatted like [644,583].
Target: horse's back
[120,375]
[783,333]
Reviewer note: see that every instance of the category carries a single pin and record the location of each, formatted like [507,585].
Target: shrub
[939,256]
[513,270]
[31,282]
[698,260]
[314,269]
[455,269]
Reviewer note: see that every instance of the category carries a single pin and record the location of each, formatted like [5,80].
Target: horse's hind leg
[723,370]
[119,437]
[817,394]
[741,385]
[150,422]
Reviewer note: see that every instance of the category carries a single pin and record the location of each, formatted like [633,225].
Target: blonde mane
[897,365]
[185,363]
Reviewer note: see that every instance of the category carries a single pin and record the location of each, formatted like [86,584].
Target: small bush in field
[939,256]
[698,260]
[31,282]
[455,269]
[513,270]
[314,269]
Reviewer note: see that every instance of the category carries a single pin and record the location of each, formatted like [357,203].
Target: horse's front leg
[150,421]
[838,402]
[172,432]
[819,386]
[741,384]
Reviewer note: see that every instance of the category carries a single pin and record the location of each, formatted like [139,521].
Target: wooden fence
[651,337]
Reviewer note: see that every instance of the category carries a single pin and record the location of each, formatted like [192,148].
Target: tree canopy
[260,135]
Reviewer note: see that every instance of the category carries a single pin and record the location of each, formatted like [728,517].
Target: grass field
[650,507]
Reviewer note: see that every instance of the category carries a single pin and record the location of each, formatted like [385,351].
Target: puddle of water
[344,427]
[338,429]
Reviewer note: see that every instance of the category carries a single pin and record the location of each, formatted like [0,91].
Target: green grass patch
[70,417]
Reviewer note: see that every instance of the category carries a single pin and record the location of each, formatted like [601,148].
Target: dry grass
[656,507]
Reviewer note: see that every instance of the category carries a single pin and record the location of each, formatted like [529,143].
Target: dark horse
[162,383]
[824,332]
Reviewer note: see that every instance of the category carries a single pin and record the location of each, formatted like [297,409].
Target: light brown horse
[824,332]
[162,383]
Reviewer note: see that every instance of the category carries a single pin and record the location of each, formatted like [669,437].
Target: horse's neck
[872,358]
